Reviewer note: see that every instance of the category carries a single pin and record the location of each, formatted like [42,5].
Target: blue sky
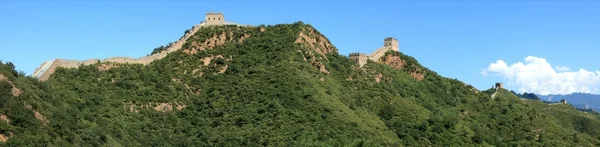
[459,39]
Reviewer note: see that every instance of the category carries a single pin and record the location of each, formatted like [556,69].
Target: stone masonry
[47,68]
[389,43]
[215,18]
[499,85]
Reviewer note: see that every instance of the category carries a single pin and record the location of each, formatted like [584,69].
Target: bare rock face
[215,40]
[378,78]
[394,61]
[316,41]
[37,114]
[4,138]
[159,107]
[4,118]
[319,46]
[320,66]
[106,66]
[398,63]
[417,74]
[14,90]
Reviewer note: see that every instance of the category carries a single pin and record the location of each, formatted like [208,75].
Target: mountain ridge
[275,85]
[47,68]
[579,100]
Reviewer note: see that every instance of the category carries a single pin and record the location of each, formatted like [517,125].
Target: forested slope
[278,85]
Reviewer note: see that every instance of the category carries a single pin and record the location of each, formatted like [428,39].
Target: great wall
[211,19]
[389,43]
[47,68]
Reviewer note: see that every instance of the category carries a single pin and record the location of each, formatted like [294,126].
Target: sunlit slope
[278,85]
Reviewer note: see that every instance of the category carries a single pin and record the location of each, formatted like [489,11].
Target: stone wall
[47,68]
[119,60]
[55,64]
[90,61]
[359,58]
[377,54]
[215,18]
[42,69]
[389,43]
[499,85]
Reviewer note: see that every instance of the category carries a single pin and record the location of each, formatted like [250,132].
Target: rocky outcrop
[215,40]
[4,138]
[318,46]
[378,78]
[394,61]
[159,107]
[14,90]
[398,63]
[4,118]
[470,87]
[316,41]
[389,44]
[37,114]
[417,74]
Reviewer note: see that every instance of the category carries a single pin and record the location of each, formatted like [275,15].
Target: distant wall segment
[389,43]
[47,68]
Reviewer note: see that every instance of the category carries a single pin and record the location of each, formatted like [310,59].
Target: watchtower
[359,58]
[215,18]
[563,101]
[391,42]
[499,85]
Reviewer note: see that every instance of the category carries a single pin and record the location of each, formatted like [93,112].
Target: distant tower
[563,101]
[499,85]
[391,42]
[359,58]
[215,18]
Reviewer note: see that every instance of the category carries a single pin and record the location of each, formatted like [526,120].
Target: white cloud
[562,68]
[537,75]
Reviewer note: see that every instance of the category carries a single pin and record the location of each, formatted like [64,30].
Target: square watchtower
[359,58]
[215,18]
[391,42]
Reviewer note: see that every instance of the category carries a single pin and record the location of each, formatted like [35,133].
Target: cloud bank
[537,75]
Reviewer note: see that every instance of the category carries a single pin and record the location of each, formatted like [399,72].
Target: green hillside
[276,85]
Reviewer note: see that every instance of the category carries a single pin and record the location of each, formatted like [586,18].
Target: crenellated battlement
[214,13]
[358,54]
[389,43]
[47,68]
[214,18]
[390,39]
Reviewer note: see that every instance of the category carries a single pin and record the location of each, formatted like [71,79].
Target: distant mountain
[579,100]
[525,95]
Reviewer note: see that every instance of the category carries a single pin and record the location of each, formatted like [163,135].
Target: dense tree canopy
[267,90]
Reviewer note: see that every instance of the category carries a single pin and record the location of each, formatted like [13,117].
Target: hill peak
[211,19]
